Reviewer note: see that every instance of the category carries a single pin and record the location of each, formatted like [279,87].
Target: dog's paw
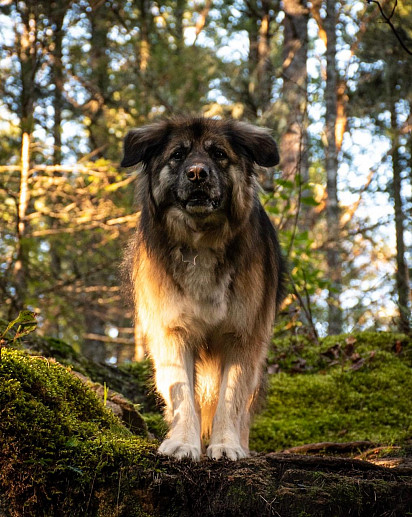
[221,450]
[179,449]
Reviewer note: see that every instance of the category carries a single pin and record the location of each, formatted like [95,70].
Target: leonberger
[207,276]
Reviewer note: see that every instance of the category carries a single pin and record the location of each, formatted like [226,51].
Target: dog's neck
[189,255]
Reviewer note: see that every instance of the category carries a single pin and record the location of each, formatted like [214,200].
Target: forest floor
[79,438]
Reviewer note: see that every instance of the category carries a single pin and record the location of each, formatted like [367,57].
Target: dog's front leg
[230,433]
[174,367]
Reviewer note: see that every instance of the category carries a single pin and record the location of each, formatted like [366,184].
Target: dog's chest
[204,281]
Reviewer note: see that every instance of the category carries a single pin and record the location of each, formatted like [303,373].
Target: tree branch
[389,22]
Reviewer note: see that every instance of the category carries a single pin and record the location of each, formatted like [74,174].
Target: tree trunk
[260,72]
[57,14]
[264,65]
[22,256]
[253,34]
[402,274]
[93,349]
[179,12]
[332,206]
[277,484]
[259,63]
[26,44]
[144,35]
[293,144]
[99,78]
[203,14]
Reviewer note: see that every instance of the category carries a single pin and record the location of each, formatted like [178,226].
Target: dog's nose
[198,172]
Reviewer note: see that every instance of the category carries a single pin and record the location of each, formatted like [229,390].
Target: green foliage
[288,207]
[55,432]
[326,394]
[27,323]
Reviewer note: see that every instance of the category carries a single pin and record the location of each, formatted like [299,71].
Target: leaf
[332,352]
[350,340]
[350,345]
[25,318]
[75,469]
[309,200]
[27,323]
[358,364]
[298,180]
[285,183]
[273,368]
[299,365]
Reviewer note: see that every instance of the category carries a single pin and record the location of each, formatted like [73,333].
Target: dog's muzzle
[200,203]
[198,195]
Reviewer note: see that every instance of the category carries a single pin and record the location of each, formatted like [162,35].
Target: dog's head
[201,167]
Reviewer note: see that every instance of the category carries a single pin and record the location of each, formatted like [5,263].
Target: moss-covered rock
[132,380]
[59,446]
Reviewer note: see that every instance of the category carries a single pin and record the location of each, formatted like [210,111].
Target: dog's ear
[143,143]
[255,143]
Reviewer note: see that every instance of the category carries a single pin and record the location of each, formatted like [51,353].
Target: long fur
[206,273]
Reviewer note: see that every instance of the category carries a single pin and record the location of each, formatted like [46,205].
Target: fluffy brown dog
[206,272]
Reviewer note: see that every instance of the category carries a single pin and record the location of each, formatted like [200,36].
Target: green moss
[132,380]
[340,404]
[141,374]
[54,431]
[297,354]
[156,424]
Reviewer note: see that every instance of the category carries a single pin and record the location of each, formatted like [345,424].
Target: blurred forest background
[333,80]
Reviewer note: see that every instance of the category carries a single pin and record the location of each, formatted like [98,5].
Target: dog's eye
[178,155]
[219,154]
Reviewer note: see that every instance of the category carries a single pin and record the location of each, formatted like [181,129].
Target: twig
[305,310]
[107,339]
[118,492]
[388,21]
[309,308]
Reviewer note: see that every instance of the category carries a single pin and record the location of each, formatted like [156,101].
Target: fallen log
[277,484]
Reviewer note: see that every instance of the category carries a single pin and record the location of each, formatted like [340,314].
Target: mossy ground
[347,388]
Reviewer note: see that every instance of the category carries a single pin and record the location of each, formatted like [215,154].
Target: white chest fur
[204,283]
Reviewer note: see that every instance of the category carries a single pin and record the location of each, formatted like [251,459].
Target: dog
[206,272]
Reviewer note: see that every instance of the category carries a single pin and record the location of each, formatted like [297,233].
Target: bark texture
[293,145]
[332,204]
[402,273]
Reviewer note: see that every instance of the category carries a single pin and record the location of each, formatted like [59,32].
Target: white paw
[179,449]
[221,450]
